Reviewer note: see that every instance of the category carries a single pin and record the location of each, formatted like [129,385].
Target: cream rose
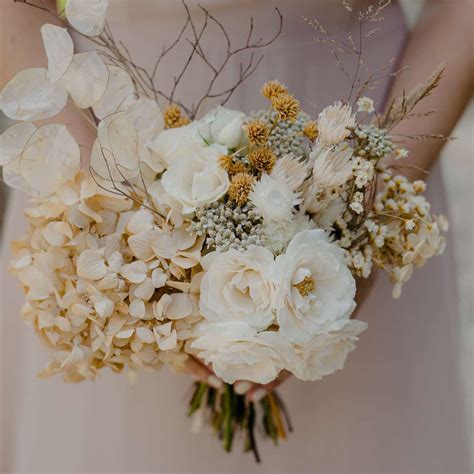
[223,126]
[237,287]
[195,179]
[237,352]
[324,353]
[315,288]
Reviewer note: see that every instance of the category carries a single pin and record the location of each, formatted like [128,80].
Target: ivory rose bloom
[325,353]
[237,287]
[195,179]
[237,352]
[315,288]
[223,126]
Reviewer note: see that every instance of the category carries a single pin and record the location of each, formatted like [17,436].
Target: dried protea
[258,132]
[240,188]
[273,88]
[286,106]
[262,159]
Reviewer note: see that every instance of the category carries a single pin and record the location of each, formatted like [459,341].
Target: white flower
[324,353]
[315,288]
[176,143]
[334,123]
[274,199]
[365,104]
[223,126]
[401,153]
[196,179]
[278,234]
[332,166]
[237,287]
[238,352]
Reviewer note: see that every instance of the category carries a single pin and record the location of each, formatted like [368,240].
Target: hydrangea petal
[87,16]
[59,50]
[91,265]
[31,96]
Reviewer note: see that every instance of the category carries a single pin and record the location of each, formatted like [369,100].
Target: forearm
[443,35]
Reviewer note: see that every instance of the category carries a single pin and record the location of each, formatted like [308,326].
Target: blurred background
[457,161]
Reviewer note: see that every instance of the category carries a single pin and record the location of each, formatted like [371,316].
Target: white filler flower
[315,288]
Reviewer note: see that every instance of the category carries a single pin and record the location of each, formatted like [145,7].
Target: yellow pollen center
[306,286]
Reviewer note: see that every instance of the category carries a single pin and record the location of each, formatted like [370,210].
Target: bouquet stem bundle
[230,414]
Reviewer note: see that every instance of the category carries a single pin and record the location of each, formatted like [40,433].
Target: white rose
[223,126]
[175,143]
[237,352]
[237,287]
[324,353]
[195,179]
[316,289]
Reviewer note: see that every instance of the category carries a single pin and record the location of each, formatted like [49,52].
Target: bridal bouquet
[233,238]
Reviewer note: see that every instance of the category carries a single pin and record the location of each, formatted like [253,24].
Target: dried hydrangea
[226,225]
[287,137]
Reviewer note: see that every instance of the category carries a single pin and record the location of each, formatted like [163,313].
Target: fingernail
[214,382]
[258,395]
[242,387]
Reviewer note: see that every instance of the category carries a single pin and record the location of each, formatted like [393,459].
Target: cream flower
[223,126]
[365,104]
[238,352]
[316,289]
[196,179]
[237,287]
[324,353]
[332,167]
[334,123]
[274,199]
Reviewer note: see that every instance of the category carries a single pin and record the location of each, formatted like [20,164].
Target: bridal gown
[396,407]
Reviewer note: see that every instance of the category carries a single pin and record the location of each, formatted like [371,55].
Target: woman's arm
[443,35]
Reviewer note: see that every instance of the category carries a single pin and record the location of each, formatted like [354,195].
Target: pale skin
[443,35]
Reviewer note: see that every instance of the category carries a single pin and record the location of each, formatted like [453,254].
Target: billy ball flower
[286,106]
[273,88]
[258,132]
[262,159]
[240,187]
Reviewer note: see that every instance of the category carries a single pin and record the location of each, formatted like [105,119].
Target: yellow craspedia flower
[263,159]
[273,88]
[286,106]
[258,132]
[240,188]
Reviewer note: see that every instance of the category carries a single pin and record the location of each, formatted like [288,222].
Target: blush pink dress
[397,405]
